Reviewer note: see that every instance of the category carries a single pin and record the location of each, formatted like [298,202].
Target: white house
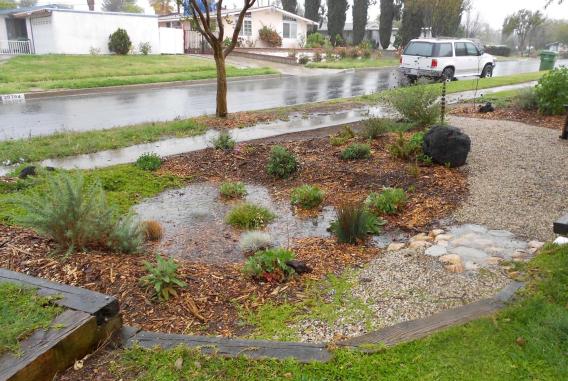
[291,27]
[60,30]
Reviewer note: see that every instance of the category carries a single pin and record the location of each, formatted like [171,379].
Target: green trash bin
[547,60]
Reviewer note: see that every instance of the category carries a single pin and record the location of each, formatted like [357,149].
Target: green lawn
[526,341]
[74,143]
[355,63]
[48,72]
[21,312]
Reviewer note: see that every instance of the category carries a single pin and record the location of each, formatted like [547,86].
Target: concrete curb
[124,88]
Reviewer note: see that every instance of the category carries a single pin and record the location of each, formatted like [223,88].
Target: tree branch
[247,5]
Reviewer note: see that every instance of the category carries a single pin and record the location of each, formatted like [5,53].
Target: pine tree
[336,15]
[360,10]
[412,21]
[290,5]
[312,10]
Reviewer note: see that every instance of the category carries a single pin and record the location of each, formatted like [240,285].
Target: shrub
[552,91]
[282,163]
[307,196]
[341,52]
[163,278]
[303,60]
[119,42]
[224,141]
[407,149]
[498,50]
[418,104]
[145,48]
[389,201]
[249,216]
[270,37]
[329,54]
[292,53]
[76,216]
[526,99]
[354,222]
[342,136]
[153,230]
[353,52]
[232,190]
[316,40]
[317,57]
[356,152]
[375,127]
[149,162]
[253,241]
[270,265]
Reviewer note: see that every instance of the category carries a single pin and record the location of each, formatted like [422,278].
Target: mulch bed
[217,292]
[555,122]
[437,189]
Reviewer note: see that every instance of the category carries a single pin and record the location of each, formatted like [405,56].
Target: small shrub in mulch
[249,216]
[163,278]
[417,104]
[232,189]
[354,223]
[407,148]
[389,201]
[270,265]
[282,163]
[149,162]
[356,152]
[307,196]
[224,141]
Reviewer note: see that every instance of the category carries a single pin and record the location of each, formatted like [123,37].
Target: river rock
[418,244]
[396,246]
[436,251]
[452,263]
[447,145]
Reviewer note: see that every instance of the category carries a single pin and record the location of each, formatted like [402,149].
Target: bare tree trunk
[222,108]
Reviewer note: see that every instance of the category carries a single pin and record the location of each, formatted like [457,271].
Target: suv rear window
[423,49]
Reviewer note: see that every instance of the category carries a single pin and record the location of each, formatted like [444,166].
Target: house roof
[230,12]
[42,9]
[32,9]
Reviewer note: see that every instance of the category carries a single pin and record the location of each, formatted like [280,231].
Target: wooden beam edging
[417,329]
[102,307]
[254,349]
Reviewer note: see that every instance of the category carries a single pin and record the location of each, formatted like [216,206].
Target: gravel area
[517,177]
[406,285]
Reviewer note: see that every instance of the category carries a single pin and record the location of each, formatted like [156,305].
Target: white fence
[12,47]
[171,41]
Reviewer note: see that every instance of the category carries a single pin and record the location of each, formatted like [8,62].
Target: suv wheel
[487,71]
[448,74]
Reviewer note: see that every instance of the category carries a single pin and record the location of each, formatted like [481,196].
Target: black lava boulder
[27,171]
[299,267]
[447,145]
[488,107]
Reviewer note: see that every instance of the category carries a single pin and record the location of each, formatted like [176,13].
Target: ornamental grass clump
[254,241]
[389,201]
[149,162]
[307,196]
[354,223]
[270,265]
[342,137]
[153,230]
[232,190]
[163,278]
[282,163]
[407,148]
[77,216]
[249,216]
[356,151]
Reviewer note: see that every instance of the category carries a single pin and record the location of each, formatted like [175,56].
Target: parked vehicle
[445,59]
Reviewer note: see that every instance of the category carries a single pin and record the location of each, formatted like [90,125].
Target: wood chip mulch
[555,122]
[209,305]
[437,189]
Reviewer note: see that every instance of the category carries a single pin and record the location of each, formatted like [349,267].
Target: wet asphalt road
[100,111]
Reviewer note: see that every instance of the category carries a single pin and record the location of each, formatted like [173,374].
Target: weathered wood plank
[255,349]
[48,351]
[103,307]
[417,329]
[560,226]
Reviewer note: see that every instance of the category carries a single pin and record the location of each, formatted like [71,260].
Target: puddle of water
[193,220]
[466,95]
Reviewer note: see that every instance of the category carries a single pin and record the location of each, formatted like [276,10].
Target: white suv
[445,59]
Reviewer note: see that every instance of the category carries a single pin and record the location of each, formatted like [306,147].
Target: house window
[246,30]
[289,27]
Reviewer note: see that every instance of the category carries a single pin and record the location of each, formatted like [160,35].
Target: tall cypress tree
[336,15]
[385,22]
[360,9]
[312,10]
[290,5]
[412,21]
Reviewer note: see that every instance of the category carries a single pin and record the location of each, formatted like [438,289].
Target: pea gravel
[517,175]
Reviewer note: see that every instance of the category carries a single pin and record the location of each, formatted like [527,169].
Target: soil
[555,122]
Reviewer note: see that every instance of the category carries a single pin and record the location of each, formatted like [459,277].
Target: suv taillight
[434,64]
[401,60]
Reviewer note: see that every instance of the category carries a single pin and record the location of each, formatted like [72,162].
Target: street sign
[13,98]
